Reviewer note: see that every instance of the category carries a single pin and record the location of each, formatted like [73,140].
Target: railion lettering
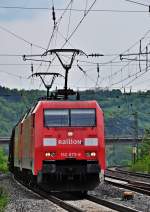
[70,141]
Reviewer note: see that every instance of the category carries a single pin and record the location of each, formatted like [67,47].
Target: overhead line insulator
[53,15]
[95,55]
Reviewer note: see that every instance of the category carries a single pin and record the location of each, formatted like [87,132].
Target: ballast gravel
[106,191]
[89,206]
[22,200]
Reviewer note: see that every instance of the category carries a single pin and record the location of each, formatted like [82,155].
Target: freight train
[60,145]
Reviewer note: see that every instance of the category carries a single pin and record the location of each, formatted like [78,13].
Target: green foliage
[118,154]
[145,148]
[3,161]
[3,199]
[143,164]
[118,109]
[13,104]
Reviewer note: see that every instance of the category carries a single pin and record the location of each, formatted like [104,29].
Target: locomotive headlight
[90,154]
[91,142]
[49,142]
[93,154]
[50,154]
[47,154]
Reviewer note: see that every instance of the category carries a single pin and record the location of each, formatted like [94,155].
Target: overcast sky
[104,32]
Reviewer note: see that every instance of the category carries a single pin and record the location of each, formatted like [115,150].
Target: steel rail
[58,201]
[132,173]
[48,196]
[71,208]
[111,205]
[140,184]
[132,187]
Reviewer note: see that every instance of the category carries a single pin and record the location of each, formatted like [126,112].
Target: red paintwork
[30,145]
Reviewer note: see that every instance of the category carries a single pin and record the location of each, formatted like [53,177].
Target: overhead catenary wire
[68,28]
[75,29]
[68,42]
[13,75]
[74,9]
[59,20]
[126,65]
[79,23]
[55,28]
[137,3]
[116,55]
[141,74]
[21,38]
[131,75]
[140,70]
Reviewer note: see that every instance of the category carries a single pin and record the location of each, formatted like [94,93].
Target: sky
[109,30]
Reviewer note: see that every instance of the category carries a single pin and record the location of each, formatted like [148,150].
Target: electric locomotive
[59,143]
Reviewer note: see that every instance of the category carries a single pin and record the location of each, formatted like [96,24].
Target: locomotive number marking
[70,154]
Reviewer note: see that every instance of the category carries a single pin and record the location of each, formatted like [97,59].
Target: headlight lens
[49,142]
[50,154]
[93,154]
[91,142]
[90,154]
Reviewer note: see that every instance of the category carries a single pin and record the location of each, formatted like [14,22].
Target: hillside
[119,109]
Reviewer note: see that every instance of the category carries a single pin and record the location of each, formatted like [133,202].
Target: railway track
[111,205]
[81,205]
[136,185]
[136,174]
[89,203]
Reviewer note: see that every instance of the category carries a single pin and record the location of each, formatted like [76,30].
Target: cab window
[83,117]
[56,118]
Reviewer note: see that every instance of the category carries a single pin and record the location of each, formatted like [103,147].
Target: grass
[3,199]
[142,165]
[4,169]
[3,161]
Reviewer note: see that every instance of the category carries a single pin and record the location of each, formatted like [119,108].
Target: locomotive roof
[66,104]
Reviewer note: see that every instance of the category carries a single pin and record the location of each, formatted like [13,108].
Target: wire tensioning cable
[21,38]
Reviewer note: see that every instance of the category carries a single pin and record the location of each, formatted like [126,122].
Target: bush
[3,161]
[143,165]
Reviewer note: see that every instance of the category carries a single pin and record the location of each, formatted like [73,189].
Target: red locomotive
[60,144]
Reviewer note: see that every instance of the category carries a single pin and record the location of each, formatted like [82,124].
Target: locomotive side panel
[11,152]
[38,139]
[100,132]
[27,144]
[16,140]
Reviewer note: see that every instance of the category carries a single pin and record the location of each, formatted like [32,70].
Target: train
[60,145]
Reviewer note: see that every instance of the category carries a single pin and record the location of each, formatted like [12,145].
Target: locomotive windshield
[69,117]
[83,117]
[56,118]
